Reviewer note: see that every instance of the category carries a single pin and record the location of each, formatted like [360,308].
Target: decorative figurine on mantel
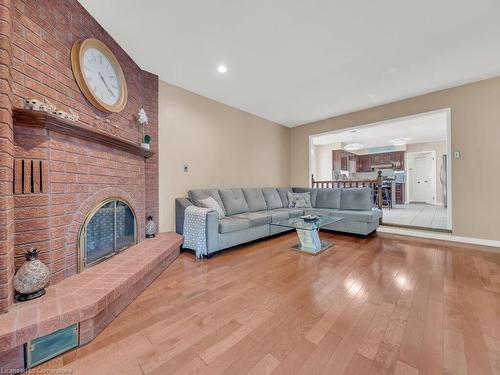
[143,121]
[47,106]
[150,227]
[31,279]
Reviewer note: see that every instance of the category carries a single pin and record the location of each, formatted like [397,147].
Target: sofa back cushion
[272,197]
[359,199]
[234,201]
[328,198]
[283,192]
[196,195]
[314,193]
[255,199]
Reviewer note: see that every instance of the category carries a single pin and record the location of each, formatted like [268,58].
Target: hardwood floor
[382,305]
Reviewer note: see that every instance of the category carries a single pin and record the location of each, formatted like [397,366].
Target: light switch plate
[456,154]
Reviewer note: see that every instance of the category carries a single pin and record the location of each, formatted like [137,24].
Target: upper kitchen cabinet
[343,161]
[398,160]
[364,163]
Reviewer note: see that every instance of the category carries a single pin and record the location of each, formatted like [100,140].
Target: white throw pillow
[212,203]
[299,200]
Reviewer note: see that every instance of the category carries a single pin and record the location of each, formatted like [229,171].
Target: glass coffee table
[308,232]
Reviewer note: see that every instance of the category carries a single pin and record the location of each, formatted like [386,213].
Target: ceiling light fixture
[399,141]
[222,69]
[353,146]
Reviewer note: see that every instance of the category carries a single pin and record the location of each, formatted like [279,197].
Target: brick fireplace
[52,174]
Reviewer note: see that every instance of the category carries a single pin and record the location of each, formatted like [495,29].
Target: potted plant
[146,142]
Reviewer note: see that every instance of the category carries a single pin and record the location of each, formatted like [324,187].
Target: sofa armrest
[180,206]
[212,231]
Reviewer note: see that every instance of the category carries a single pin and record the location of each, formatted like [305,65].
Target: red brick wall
[40,41]
[151,107]
[6,158]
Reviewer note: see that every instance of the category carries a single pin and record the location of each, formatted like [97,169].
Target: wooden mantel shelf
[40,119]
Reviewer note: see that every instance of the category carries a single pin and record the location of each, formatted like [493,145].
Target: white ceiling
[296,61]
[430,127]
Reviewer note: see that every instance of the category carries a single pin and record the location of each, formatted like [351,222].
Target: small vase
[150,227]
[31,279]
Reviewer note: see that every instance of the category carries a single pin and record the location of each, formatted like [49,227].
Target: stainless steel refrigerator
[444,179]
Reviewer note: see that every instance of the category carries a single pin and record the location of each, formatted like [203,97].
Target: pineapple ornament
[31,279]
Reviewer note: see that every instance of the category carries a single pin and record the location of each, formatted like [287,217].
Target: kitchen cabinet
[343,161]
[347,161]
[400,193]
[364,163]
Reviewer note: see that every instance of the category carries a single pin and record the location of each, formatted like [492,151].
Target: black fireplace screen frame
[117,247]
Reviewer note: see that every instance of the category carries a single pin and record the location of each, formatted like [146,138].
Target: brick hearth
[92,298]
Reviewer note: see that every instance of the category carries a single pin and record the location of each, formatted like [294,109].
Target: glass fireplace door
[110,229]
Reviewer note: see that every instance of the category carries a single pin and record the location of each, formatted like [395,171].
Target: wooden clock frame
[77,54]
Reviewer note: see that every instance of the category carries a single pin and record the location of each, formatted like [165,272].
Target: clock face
[101,76]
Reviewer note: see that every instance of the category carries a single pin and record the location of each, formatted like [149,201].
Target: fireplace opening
[109,228]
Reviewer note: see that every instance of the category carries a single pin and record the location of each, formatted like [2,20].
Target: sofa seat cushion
[256,218]
[255,199]
[362,216]
[196,195]
[233,224]
[272,197]
[359,199]
[328,198]
[295,212]
[234,201]
[277,215]
[319,211]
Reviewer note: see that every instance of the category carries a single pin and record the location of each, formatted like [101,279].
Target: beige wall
[475,122]
[440,149]
[223,146]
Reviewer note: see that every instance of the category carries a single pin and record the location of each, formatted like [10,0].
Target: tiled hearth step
[92,298]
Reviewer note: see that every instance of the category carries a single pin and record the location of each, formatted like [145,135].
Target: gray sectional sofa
[249,212]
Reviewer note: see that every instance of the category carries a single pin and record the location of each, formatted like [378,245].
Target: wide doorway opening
[413,155]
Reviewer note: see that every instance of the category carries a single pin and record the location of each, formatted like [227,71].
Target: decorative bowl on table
[310,217]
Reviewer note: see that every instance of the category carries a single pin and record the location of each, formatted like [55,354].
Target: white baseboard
[494,245]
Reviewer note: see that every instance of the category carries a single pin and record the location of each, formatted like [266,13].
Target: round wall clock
[99,75]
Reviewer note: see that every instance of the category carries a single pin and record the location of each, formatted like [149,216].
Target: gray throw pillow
[299,200]
[212,203]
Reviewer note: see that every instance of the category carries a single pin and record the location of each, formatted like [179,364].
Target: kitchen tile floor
[418,215]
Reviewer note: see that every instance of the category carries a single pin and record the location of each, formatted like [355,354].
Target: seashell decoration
[47,106]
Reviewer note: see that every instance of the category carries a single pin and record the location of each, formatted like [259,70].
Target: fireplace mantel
[40,119]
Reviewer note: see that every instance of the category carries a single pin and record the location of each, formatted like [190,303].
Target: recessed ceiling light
[222,69]
[353,146]
[399,141]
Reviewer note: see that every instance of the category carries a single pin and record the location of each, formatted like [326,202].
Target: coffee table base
[310,242]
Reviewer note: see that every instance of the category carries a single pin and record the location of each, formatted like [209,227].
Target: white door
[421,169]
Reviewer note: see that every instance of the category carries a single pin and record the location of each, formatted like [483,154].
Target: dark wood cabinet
[343,160]
[364,163]
[400,193]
